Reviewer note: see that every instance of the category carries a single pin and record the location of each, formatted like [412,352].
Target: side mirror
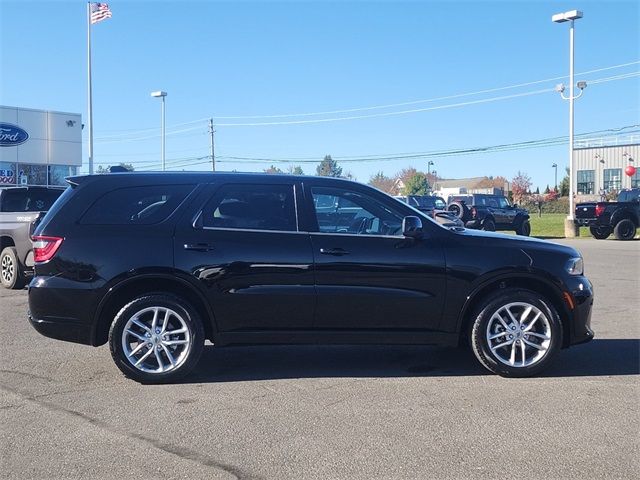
[412,227]
[515,205]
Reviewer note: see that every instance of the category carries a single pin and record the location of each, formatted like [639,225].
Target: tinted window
[504,203]
[29,200]
[354,213]
[136,205]
[252,207]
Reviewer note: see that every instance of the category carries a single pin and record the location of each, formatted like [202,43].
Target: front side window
[503,202]
[612,179]
[354,213]
[136,205]
[586,183]
[252,207]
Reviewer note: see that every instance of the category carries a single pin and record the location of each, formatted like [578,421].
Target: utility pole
[213,155]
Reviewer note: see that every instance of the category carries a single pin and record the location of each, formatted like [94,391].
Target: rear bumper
[586,222]
[59,309]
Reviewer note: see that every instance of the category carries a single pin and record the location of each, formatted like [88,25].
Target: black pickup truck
[20,210]
[621,217]
[490,213]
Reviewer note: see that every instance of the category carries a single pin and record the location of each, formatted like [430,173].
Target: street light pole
[162,95]
[555,178]
[570,228]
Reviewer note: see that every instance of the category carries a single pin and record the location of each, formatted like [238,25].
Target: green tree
[564,184]
[106,169]
[329,168]
[272,169]
[297,170]
[417,184]
[547,190]
[537,191]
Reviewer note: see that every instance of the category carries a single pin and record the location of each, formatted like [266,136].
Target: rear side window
[136,205]
[29,200]
[252,207]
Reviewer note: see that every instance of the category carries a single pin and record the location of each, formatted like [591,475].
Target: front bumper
[581,296]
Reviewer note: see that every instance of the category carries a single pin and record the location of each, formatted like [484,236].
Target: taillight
[600,209]
[44,248]
[474,212]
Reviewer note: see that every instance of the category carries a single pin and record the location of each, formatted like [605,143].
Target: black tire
[600,233]
[457,208]
[11,270]
[489,225]
[625,229]
[186,354]
[524,229]
[481,326]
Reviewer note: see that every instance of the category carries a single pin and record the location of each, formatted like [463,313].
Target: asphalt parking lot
[332,412]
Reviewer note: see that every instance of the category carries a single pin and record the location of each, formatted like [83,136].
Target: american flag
[99,12]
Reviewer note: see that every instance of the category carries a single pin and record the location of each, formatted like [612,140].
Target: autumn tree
[272,169]
[382,182]
[107,169]
[297,170]
[329,168]
[520,185]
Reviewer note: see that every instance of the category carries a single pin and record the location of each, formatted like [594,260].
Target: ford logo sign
[12,135]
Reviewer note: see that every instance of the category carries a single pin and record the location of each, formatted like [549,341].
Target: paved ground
[331,412]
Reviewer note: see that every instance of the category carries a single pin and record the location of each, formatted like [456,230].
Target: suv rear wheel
[489,225]
[516,333]
[156,338]
[11,274]
[524,229]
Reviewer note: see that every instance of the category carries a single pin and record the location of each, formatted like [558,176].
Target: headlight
[575,266]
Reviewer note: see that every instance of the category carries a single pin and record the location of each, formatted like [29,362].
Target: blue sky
[222,59]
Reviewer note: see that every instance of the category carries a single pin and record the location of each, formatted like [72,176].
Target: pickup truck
[621,217]
[435,207]
[20,209]
[490,213]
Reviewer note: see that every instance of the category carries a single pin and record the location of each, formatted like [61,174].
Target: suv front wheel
[156,338]
[516,333]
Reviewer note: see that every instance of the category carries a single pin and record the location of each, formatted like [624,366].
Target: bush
[560,205]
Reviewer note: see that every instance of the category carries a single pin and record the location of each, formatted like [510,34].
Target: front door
[245,249]
[369,276]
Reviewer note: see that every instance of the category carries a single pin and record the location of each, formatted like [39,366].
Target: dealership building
[600,165]
[38,147]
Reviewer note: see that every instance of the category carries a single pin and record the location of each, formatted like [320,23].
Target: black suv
[156,263]
[490,213]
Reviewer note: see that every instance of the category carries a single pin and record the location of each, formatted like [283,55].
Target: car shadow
[601,357]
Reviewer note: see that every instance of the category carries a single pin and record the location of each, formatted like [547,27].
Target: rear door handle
[334,251]
[198,247]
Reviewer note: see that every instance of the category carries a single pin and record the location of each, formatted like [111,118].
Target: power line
[416,102]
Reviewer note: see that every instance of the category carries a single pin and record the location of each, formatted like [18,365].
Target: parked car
[433,206]
[154,264]
[621,217]
[490,213]
[20,208]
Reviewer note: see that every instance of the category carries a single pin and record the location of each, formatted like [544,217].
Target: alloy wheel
[519,334]
[156,340]
[8,269]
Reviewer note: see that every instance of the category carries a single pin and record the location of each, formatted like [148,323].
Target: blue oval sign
[12,135]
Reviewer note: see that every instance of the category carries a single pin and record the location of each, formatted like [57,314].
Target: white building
[38,147]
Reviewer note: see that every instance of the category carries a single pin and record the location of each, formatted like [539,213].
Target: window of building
[612,179]
[586,182]
[7,173]
[635,180]
[252,207]
[136,205]
[57,173]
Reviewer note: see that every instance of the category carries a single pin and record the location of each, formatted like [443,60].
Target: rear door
[368,275]
[244,247]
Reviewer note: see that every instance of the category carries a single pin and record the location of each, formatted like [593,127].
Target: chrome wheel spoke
[512,317]
[169,343]
[539,335]
[524,354]
[176,332]
[169,356]
[525,314]
[135,321]
[139,337]
[137,349]
[154,322]
[531,344]
[512,358]
[159,360]
[498,335]
[143,357]
[500,345]
[165,321]
[500,319]
[533,322]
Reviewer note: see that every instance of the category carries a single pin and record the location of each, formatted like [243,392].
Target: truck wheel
[600,233]
[516,333]
[156,338]
[488,225]
[625,229]
[524,229]
[11,275]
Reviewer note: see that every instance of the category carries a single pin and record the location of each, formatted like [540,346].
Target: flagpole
[90,119]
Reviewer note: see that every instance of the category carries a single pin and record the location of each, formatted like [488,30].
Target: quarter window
[252,207]
[340,211]
[136,205]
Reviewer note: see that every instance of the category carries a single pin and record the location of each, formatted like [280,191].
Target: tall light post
[162,95]
[570,228]
[555,178]
[429,167]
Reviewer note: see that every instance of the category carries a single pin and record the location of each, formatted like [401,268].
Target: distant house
[462,186]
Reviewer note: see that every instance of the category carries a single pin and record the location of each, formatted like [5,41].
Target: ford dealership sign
[12,135]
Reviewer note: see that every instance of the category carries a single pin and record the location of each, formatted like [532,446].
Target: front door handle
[198,247]
[334,251]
